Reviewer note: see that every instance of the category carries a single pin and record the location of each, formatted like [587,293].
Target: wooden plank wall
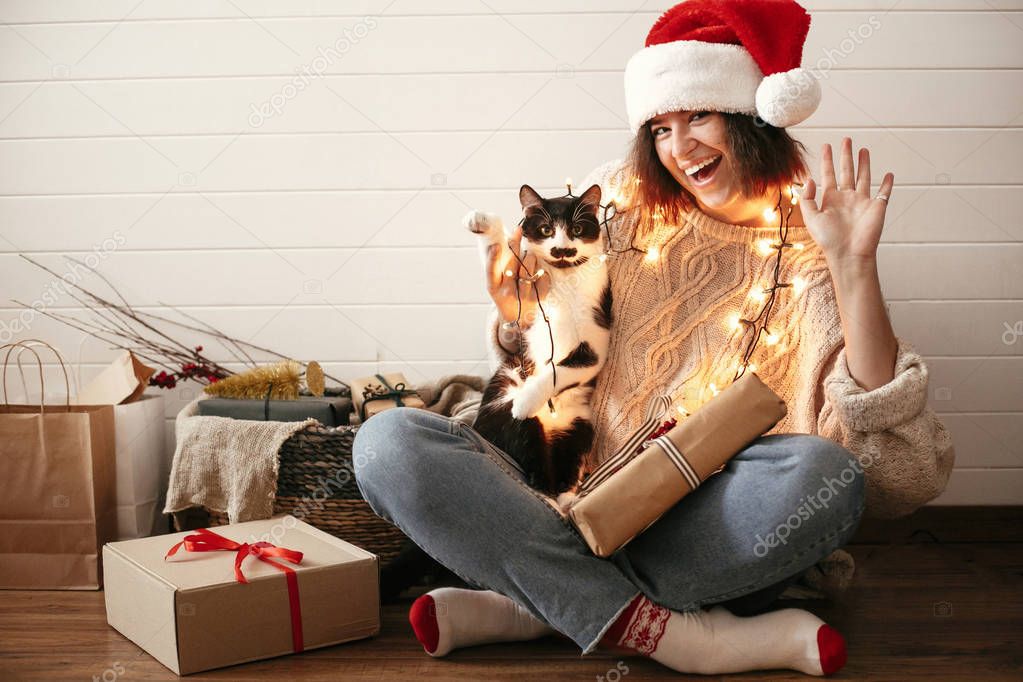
[294,172]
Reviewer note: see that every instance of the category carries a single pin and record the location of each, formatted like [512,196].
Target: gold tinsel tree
[282,380]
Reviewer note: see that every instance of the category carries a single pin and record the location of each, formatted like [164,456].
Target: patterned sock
[449,618]
[716,642]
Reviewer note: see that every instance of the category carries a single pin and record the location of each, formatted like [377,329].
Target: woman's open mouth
[701,174]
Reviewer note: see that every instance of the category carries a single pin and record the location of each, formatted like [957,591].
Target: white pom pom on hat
[736,56]
[787,98]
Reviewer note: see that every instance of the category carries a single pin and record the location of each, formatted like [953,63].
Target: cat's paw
[530,398]
[479,222]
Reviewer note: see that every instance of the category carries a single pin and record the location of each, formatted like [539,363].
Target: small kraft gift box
[628,492]
[381,391]
[211,598]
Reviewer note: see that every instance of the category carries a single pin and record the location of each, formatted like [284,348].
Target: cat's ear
[591,198]
[529,198]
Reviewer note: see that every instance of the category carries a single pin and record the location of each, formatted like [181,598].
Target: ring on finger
[882,197]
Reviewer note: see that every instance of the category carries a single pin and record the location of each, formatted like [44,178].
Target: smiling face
[562,232]
[693,147]
[732,166]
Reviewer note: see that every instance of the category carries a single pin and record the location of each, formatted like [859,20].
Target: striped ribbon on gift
[679,460]
[654,416]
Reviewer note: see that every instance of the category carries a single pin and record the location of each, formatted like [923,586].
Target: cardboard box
[191,613]
[628,493]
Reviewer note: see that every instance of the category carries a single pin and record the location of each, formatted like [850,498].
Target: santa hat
[736,56]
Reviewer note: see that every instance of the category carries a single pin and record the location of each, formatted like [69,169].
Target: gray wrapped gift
[328,410]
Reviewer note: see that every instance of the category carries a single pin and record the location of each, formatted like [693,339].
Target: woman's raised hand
[504,271]
[848,223]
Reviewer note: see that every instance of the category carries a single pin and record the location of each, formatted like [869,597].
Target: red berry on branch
[163,380]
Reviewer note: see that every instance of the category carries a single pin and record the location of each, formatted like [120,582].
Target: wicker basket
[316,483]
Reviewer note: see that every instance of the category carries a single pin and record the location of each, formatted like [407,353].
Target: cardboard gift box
[626,494]
[381,391]
[328,410]
[210,598]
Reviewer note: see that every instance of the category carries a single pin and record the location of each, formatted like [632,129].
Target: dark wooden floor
[937,596]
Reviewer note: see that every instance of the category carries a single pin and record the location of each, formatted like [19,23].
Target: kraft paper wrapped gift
[381,391]
[628,493]
[215,597]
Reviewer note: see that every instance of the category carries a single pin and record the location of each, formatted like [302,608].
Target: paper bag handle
[72,374]
[23,345]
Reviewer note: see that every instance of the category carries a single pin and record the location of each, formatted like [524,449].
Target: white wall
[330,230]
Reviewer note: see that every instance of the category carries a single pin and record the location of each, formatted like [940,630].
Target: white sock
[717,642]
[449,618]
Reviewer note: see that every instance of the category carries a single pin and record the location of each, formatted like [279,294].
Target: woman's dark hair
[767,157]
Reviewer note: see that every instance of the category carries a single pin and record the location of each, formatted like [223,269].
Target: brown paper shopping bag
[57,504]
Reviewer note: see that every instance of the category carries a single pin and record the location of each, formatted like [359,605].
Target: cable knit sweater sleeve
[904,449]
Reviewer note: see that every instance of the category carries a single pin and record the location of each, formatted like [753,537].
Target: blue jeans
[747,530]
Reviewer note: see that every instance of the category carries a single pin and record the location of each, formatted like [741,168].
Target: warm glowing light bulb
[739,367]
[798,284]
[758,295]
[772,339]
[765,246]
[602,257]
[554,413]
[734,322]
[682,411]
[539,273]
[652,254]
[799,246]
[509,273]
[568,183]
[795,200]
[713,389]
[768,214]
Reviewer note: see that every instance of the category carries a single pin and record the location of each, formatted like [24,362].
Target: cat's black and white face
[563,232]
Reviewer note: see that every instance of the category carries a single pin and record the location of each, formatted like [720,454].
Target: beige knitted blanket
[226,465]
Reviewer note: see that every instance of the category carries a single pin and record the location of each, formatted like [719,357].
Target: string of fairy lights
[765,296]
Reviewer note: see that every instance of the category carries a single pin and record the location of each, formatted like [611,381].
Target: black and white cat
[564,235]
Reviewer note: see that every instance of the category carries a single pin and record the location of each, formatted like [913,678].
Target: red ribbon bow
[206,540]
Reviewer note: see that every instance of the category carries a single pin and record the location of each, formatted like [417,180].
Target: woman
[708,99]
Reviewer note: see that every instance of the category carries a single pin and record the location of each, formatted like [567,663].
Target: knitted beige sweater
[671,334]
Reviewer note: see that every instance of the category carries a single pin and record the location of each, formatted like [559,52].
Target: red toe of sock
[423,617]
[831,645]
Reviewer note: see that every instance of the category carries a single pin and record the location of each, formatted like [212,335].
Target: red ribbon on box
[206,540]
